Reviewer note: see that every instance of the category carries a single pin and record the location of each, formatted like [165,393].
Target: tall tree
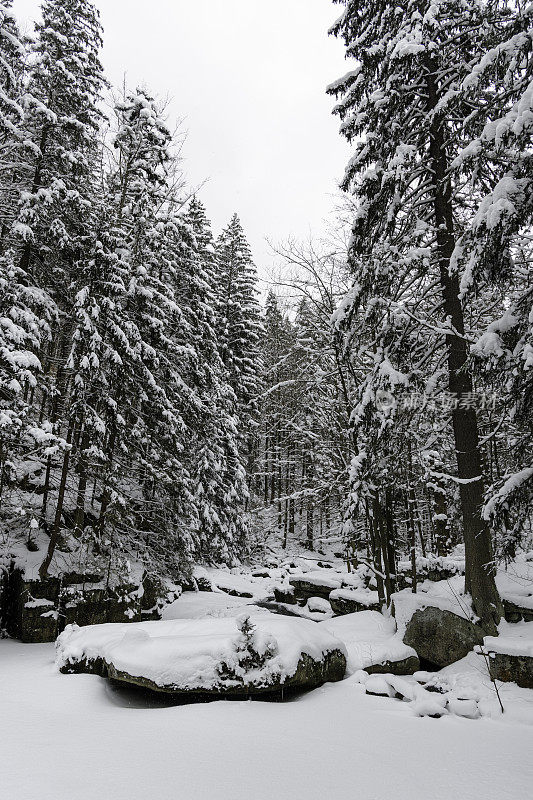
[401,107]
[239,318]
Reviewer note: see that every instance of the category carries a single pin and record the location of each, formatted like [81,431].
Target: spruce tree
[239,324]
[220,488]
[13,99]
[495,255]
[400,107]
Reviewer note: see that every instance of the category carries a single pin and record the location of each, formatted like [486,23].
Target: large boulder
[441,637]
[210,657]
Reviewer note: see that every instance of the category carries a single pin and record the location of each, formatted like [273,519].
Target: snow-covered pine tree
[26,312]
[219,477]
[65,81]
[495,252]
[54,226]
[154,400]
[12,114]
[400,107]
[239,324]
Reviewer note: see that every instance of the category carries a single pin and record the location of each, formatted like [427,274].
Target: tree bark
[54,538]
[480,567]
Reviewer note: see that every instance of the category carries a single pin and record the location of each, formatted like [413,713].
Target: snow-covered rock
[315,584]
[254,654]
[319,606]
[349,601]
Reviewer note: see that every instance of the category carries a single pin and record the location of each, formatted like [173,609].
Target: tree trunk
[79,520]
[480,567]
[377,549]
[54,538]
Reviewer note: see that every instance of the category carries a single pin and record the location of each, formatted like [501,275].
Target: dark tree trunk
[54,537]
[377,549]
[480,567]
[79,521]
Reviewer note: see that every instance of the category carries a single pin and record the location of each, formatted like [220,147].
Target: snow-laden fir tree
[219,477]
[495,251]
[154,399]
[239,324]
[13,99]
[402,109]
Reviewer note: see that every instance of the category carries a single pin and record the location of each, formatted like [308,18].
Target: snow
[227,581]
[77,736]
[463,689]
[189,653]
[196,605]
[512,483]
[515,583]
[319,605]
[516,639]
[369,637]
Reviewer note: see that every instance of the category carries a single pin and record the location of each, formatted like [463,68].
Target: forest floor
[77,737]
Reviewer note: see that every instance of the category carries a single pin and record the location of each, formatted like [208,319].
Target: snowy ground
[74,737]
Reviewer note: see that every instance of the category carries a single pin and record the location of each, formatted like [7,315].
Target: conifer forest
[238,463]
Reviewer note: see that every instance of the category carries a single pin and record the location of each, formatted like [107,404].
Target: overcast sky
[248,78]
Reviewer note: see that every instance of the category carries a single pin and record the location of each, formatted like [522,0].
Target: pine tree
[495,254]
[219,476]
[12,114]
[54,225]
[401,106]
[239,323]
[153,399]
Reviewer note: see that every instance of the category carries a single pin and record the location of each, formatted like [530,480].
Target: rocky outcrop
[405,666]
[347,601]
[311,585]
[37,611]
[511,668]
[516,613]
[441,637]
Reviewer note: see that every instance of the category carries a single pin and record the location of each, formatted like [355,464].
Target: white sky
[248,79]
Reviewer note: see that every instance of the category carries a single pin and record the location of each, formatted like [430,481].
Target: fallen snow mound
[250,654]
[372,643]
